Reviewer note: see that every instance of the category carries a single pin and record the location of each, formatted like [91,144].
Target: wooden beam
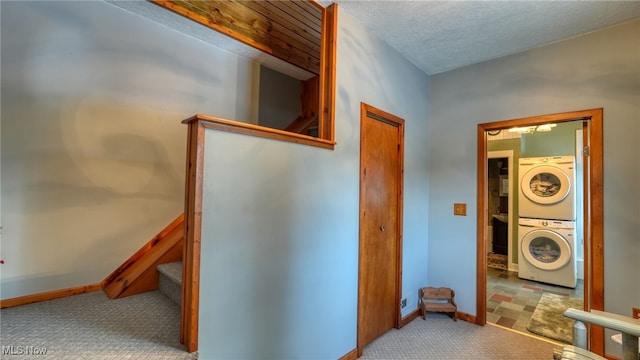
[211,122]
[326,128]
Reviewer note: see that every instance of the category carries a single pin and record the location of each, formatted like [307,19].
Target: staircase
[170,280]
[307,125]
[157,266]
[138,274]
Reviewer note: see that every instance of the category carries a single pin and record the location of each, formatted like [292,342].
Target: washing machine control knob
[545,223]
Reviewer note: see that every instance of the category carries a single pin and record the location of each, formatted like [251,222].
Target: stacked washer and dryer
[546,228]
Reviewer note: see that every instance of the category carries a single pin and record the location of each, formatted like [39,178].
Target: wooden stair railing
[302,124]
[138,274]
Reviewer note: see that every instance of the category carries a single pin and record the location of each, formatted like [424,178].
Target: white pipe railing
[629,327]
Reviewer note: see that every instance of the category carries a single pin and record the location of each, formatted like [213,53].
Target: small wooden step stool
[438,300]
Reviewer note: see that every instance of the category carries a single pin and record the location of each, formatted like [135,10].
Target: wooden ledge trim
[211,122]
[416,313]
[50,295]
[466,317]
[351,355]
[410,317]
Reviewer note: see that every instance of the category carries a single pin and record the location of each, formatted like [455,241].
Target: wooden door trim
[595,252]
[381,115]
[594,223]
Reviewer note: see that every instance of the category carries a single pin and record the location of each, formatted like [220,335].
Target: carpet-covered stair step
[170,282]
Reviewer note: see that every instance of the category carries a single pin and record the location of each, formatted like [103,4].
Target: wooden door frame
[381,115]
[593,212]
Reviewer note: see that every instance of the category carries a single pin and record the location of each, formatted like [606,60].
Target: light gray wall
[601,69]
[279,103]
[280,230]
[92,146]
[368,71]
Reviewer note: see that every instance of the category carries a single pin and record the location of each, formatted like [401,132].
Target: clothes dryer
[547,188]
[548,251]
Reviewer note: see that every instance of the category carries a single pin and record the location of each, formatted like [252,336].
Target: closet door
[380,224]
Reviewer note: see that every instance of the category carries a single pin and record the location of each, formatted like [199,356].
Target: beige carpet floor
[439,337]
[93,327]
[146,326]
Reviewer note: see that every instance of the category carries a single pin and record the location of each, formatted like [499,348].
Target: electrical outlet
[403,303]
[460,209]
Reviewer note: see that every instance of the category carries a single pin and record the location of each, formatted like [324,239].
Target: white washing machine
[547,188]
[547,251]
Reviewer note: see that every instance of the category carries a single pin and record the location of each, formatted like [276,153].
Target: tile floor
[511,300]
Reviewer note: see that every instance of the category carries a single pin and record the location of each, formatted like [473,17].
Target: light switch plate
[460,209]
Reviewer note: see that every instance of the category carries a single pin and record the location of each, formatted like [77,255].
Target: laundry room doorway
[501,214]
[509,309]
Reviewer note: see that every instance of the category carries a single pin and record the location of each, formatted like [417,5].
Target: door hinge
[585,151]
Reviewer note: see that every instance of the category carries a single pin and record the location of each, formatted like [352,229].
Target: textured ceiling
[438,36]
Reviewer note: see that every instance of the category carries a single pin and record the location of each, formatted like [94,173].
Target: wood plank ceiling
[288,30]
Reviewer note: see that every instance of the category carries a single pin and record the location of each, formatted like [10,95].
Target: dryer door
[545,184]
[545,249]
